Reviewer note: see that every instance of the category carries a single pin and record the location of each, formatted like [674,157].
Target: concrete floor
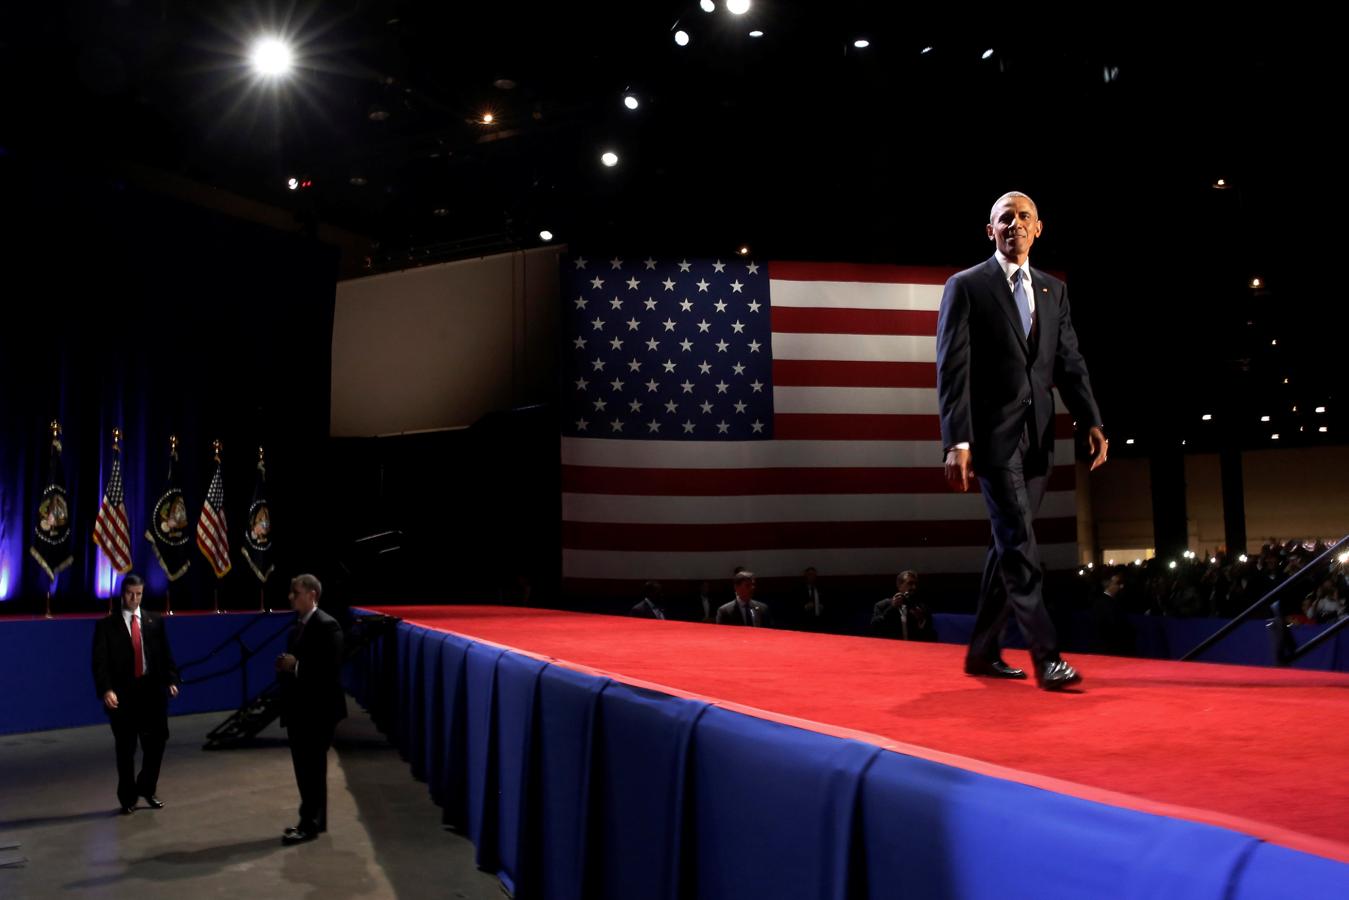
[219,834]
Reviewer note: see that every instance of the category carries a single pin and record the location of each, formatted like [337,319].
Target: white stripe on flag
[868,400]
[855,347]
[792,508]
[855,295]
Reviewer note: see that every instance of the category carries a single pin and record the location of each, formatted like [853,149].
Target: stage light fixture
[1320,409]
[440,211]
[682,38]
[630,101]
[1129,441]
[707,5]
[1273,437]
[1091,565]
[1257,283]
[756,33]
[925,51]
[1207,417]
[1243,558]
[293,183]
[1323,429]
[1212,560]
[861,43]
[1171,564]
[357,181]
[737,7]
[488,118]
[545,235]
[1343,557]
[609,158]
[744,250]
[987,53]
[1274,342]
[271,57]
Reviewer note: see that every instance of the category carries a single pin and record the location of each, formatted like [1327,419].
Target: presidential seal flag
[51,535]
[112,528]
[258,529]
[167,531]
[212,532]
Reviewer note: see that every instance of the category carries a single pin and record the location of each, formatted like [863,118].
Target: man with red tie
[134,674]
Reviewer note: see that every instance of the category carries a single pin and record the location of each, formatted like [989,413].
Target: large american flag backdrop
[777,416]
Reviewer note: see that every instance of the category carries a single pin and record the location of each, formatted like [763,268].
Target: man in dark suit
[312,702]
[744,609]
[903,616]
[134,674]
[649,607]
[1004,338]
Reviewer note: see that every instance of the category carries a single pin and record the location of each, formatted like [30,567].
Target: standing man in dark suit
[312,702]
[744,609]
[134,674]
[1004,339]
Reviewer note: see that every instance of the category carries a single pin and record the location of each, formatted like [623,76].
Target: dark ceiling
[796,142]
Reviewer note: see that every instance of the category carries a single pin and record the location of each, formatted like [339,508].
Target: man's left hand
[1099,447]
[173,690]
[285,663]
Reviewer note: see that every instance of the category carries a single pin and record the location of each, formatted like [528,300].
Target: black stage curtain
[124,308]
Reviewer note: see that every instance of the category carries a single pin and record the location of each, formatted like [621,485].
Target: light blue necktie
[1022,301]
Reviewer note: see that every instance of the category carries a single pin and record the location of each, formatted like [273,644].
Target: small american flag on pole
[212,533]
[721,413]
[112,529]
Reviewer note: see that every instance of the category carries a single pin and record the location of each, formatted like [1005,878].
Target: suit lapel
[997,282]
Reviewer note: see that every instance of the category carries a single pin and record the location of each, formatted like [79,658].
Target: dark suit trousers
[309,743]
[141,716]
[1013,580]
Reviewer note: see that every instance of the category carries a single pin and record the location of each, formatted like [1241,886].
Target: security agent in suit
[1004,338]
[744,609]
[312,702]
[649,607]
[134,674]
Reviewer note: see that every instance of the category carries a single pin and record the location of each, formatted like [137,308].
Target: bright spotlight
[545,235]
[1207,417]
[1171,564]
[987,53]
[1343,557]
[861,43]
[488,118]
[708,6]
[609,158]
[1243,558]
[925,51]
[737,7]
[756,33]
[292,183]
[630,102]
[682,38]
[271,57]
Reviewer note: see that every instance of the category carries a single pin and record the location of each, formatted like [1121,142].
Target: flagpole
[49,598]
[168,602]
[215,592]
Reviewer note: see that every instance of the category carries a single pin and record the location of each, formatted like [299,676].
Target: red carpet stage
[1256,751]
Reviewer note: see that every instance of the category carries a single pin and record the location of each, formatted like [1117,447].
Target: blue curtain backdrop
[125,308]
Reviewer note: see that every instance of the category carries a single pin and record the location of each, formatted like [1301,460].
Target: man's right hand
[110,699]
[959,472]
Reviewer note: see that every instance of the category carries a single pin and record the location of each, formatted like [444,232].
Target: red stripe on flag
[745,482]
[855,427]
[880,274]
[873,427]
[817,320]
[795,535]
[837,373]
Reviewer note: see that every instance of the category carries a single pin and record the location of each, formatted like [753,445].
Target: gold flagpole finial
[56,429]
[215,445]
[117,440]
[260,454]
[173,443]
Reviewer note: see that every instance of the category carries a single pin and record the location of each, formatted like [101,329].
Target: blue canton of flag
[667,350]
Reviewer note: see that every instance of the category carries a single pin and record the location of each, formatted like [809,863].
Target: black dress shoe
[1058,675]
[154,803]
[126,810]
[298,836]
[995,669]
